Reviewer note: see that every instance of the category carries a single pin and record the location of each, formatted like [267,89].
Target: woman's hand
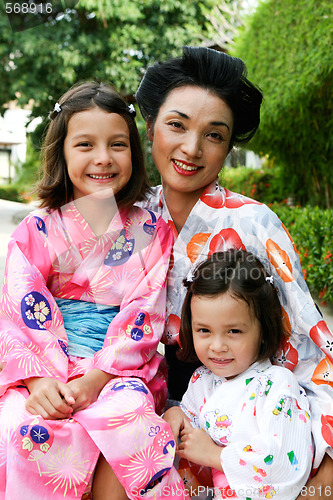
[198,447]
[49,398]
[86,389]
[176,418]
[320,487]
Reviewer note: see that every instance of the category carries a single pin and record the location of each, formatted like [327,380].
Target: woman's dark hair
[55,188]
[242,275]
[213,70]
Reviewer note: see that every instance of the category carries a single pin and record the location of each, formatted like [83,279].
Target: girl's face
[226,334]
[190,138]
[97,153]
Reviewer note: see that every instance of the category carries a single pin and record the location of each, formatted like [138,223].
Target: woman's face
[190,138]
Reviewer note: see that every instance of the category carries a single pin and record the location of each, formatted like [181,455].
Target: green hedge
[310,227]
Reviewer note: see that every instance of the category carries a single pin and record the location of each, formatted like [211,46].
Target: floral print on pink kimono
[56,255]
[221,220]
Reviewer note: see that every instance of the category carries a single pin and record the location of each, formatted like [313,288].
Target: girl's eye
[119,145]
[203,330]
[84,145]
[234,330]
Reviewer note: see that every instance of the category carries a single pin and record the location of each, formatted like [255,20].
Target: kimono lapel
[87,251]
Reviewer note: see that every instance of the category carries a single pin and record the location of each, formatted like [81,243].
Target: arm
[133,335]
[86,389]
[275,447]
[198,447]
[30,323]
[49,398]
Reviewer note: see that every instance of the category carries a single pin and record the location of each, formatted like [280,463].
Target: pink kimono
[56,255]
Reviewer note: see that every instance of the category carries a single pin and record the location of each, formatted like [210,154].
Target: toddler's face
[226,334]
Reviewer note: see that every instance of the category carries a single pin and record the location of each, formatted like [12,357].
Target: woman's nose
[191,145]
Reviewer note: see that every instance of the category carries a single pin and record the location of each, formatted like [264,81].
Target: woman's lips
[184,168]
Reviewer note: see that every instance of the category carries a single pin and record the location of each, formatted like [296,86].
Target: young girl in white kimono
[82,313]
[250,419]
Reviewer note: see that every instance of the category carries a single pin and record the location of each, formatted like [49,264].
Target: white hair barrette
[270,279]
[131,109]
[57,107]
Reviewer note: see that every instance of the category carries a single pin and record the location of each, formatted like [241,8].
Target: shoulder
[283,380]
[150,219]
[36,221]
[152,200]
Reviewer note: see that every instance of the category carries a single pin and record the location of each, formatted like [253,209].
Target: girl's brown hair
[242,275]
[55,188]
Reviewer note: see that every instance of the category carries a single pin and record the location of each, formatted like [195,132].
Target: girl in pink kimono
[82,313]
[247,419]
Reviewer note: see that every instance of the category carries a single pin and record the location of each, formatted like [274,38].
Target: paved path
[11,213]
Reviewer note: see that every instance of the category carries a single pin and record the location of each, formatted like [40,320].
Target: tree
[113,41]
[286,47]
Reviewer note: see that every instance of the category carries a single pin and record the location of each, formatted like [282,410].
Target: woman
[197,107]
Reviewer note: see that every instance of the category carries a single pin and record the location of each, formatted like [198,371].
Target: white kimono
[261,420]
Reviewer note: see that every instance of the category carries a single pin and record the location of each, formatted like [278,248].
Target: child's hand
[176,419]
[49,398]
[86,389]
[198,447]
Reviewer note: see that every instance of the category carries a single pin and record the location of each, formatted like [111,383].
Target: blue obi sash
[86,325]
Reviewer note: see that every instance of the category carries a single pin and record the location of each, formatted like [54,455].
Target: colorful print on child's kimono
[121,250]
[35,310]
[149,226]
[135,385]
[34,438]
[139,327]
[41,225]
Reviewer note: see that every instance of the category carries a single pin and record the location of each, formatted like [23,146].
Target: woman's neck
[180,205]
[97,212]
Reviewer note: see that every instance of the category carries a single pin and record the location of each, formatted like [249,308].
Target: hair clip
[57,107]
[131,110]
[270,279]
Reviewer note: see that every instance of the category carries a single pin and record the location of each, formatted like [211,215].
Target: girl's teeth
[185,167]
[100,176]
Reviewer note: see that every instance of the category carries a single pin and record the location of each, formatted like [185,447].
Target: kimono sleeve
[31,327]
[275,456]
[130,345]
[194,397]
[308,350]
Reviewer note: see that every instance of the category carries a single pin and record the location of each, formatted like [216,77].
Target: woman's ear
[150,129]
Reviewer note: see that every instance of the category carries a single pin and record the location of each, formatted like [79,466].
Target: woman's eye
[216,136]
[175,125]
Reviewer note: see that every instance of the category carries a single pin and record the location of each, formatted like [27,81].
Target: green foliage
[311,228]
[12,192]
[262,184]
[286,47]
[109,41]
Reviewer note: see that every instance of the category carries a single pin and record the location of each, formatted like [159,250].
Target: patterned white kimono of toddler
[261,420]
